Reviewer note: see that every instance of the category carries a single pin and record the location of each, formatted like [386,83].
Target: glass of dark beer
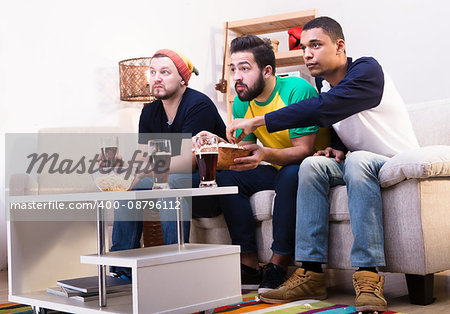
[110,149]
[207,152]
[160,153]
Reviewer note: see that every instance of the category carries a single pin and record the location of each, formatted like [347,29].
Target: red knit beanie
[182,63]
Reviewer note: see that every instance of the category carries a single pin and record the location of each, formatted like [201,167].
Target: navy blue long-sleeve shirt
[361,89]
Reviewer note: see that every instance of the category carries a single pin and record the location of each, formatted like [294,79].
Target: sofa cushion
[262,204]
[417,163]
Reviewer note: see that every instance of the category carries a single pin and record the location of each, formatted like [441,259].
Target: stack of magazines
[86,288]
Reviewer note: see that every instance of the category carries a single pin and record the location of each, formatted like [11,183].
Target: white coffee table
[174,278]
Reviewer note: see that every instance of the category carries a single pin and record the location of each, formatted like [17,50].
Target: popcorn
[230,145]
[113,182]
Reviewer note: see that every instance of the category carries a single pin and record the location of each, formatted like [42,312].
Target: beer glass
[160,153]
[110,148]
[207,153]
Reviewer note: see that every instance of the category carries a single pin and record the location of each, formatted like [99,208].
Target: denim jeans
[359,172]
[127,227]
[238,212]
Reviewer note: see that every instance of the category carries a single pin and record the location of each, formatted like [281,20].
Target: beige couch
[416,205]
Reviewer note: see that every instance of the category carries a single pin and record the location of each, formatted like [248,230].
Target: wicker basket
[133,77]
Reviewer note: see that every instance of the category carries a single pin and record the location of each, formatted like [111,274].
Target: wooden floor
[341,291]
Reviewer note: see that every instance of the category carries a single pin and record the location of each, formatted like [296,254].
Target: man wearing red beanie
[178,109]
[184,65]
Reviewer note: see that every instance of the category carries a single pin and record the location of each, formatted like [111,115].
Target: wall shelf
[288,58]
[271,24]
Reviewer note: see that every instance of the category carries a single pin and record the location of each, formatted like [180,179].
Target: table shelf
[170,269]
[124,195]
[42,299]
[159,255]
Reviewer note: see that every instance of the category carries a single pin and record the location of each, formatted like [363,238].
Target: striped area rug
[251,304]
[16,308]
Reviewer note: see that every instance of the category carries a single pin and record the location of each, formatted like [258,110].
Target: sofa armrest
[22,184]
[418,163]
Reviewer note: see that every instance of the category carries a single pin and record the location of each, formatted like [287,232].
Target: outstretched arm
[361,89]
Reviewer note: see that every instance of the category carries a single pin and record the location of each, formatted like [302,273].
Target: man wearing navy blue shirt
[177,110]
[369,119]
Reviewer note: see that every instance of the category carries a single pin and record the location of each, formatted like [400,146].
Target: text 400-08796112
[140,204]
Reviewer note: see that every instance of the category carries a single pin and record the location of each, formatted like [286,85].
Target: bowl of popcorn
[112,179]
[228,152]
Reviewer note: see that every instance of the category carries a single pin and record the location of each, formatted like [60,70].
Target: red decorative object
[294,38]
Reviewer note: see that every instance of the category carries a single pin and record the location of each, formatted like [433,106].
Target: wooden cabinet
[264,25]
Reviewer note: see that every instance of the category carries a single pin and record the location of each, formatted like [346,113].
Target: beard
[163,94]
[253,92]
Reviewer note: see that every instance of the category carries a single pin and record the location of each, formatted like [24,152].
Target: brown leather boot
[300,286]
[369,291]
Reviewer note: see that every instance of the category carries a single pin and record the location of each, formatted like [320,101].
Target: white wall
[58,59]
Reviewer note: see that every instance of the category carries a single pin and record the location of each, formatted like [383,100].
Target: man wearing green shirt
[259,91]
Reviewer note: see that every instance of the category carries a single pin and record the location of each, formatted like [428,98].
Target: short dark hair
[261,48]
[330,27]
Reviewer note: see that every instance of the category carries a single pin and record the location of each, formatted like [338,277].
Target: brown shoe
[300,286]
[369,291]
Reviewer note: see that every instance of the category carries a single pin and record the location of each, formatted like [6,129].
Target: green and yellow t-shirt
[288,90]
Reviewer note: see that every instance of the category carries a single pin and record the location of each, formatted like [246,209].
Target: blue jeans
[359,172]
[127,227]
[238,212]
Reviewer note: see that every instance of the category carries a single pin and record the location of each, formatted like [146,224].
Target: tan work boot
[300,286]
[369,291]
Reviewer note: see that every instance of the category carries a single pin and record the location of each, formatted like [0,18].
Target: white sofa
[416,207]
